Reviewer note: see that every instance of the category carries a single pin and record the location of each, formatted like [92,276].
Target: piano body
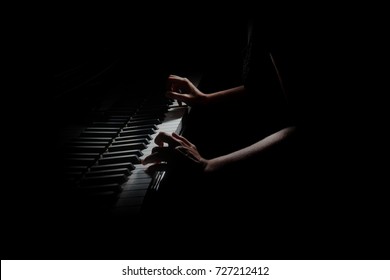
[102,164]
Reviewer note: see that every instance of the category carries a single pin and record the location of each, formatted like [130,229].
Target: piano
[102,167]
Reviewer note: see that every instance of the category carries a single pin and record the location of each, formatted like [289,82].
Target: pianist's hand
[184,90]
[177,151]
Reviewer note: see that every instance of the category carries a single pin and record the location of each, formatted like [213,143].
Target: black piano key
[74,174]
[133,137]
[113,118]
[105,179]
[87,148]
[152,110]
[88,143]
[156,115]
[108,124]
[130,141]
[127,165]
[143,122]
[125,106]
[144,126]
[87,133]
[92,155]
[80,161]
[137,118]
[104,172]
[83,155]
[72,168]
[137,132]
[97,128]
[113,187]
[120,159]
[157,102]
[124,147]
[119,114]
[123,153]
[93,139]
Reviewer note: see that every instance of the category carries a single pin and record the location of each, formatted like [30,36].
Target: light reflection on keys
[134,190]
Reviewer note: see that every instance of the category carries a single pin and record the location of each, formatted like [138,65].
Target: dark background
[344,60]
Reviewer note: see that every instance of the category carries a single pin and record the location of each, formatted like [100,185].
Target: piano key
[130,141]
[137,132]
[159,116]
[127,165]
[88,133]
[143,122]
[131,137]
[124,171]
[144,126]
[96,128]
[84,155]
[120,159]
[152,110]
[74,174]
[113,187]
[119,113]
[108,124]
[146,117]
[80,161]
[124,147]
[93,139]
[88,143]
[114,117]
[104,179]
[87,148]
[76,168]
[133,193]
[123,153]
[121,119]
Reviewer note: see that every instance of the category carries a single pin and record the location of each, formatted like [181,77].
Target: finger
[183,97]
[181,138]
[173,81]
[186,152]
[164,137]
[164,154]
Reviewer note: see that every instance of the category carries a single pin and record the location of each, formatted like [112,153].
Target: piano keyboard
[103,164]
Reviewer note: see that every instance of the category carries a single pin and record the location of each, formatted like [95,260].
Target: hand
[178,152]
[184,90]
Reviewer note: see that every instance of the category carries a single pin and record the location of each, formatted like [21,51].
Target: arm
[184,90]
[263,148]
[180,151]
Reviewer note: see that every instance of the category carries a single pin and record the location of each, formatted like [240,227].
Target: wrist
[204,99]
[210,166]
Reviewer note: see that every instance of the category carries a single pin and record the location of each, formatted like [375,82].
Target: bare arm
[267,145]
[231,94]
[175,148]
[184,90]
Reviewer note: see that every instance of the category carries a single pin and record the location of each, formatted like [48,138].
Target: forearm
[227,95]
[266,146]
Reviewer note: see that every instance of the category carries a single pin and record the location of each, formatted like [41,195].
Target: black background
[348,54]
